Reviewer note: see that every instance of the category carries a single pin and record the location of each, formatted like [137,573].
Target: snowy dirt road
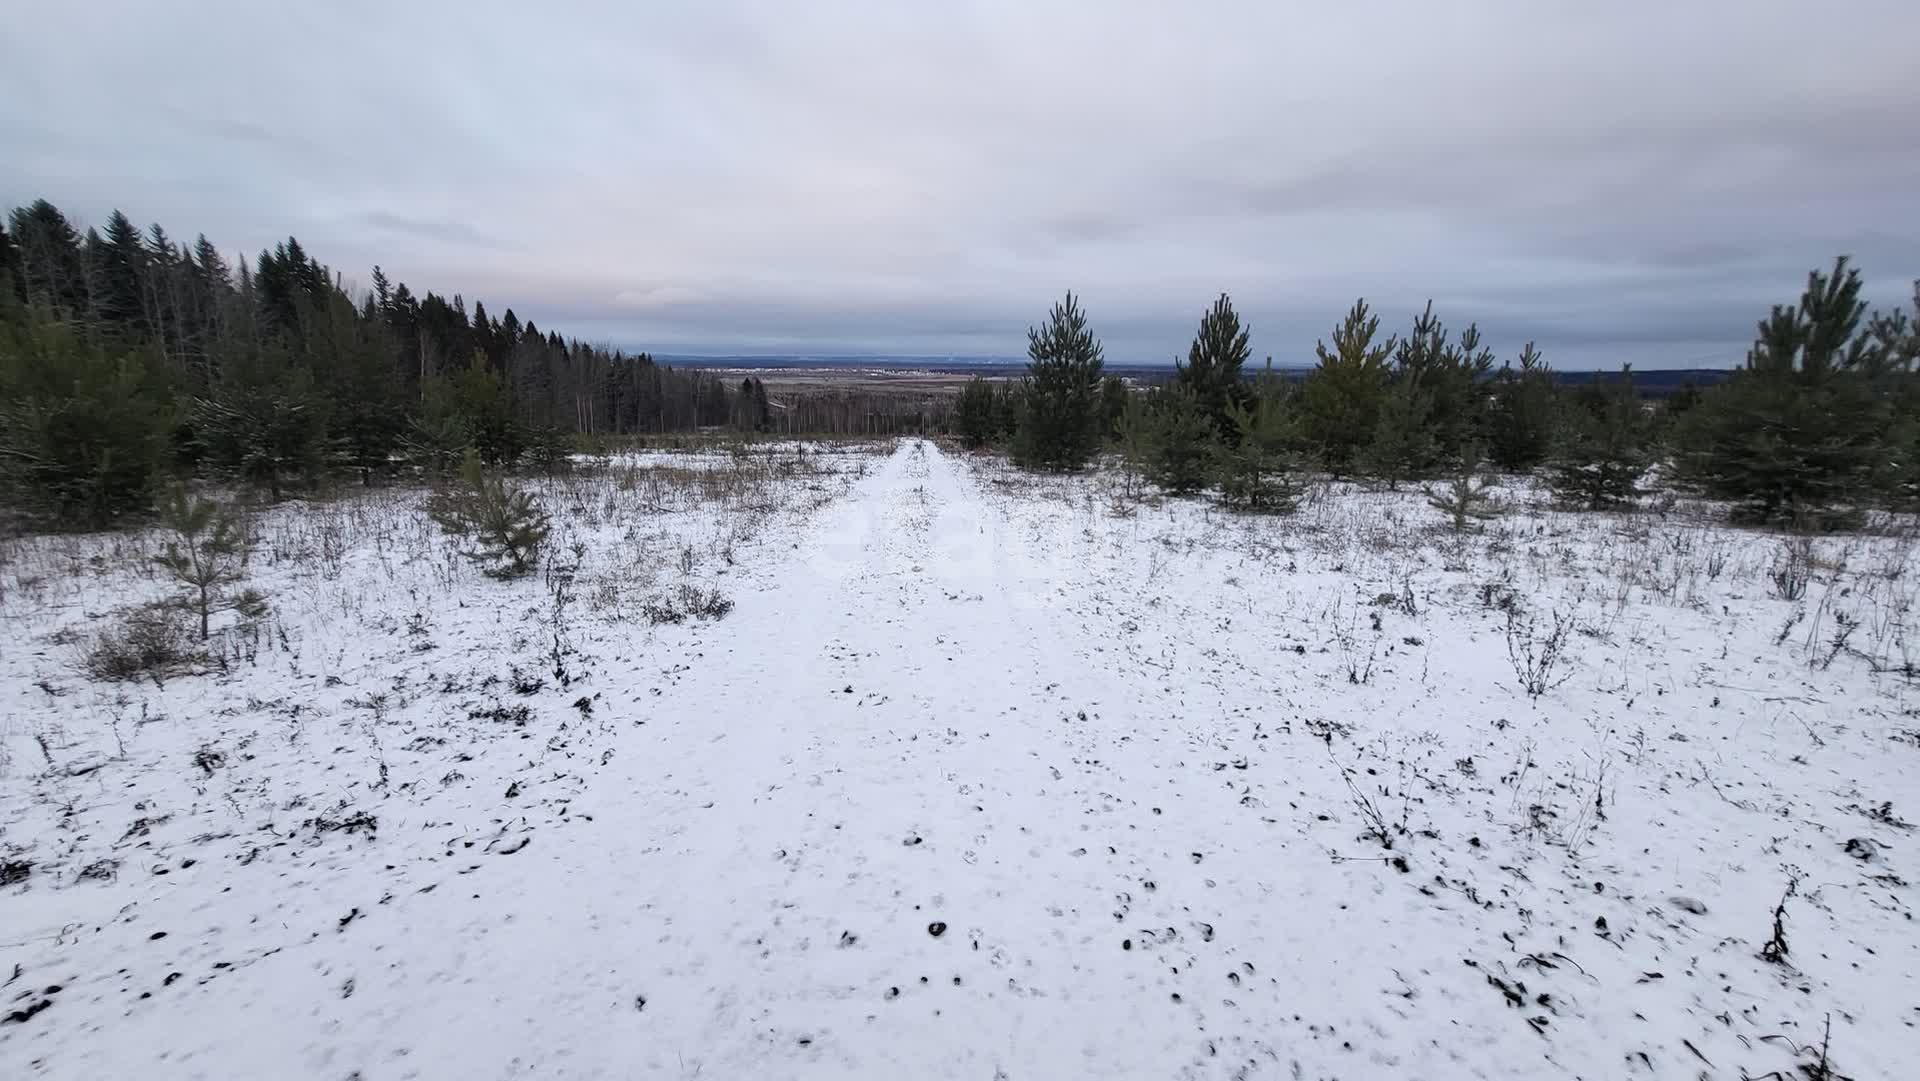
[970,786]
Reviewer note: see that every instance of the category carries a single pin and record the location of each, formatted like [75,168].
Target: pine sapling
[1060,423]
[1402,444]
[1467,497]
[1180,450]
[1602,458]
[1254,469]
[1136,437]
[506,524]
[206,554]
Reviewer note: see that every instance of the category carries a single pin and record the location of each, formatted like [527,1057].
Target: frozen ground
[985,776]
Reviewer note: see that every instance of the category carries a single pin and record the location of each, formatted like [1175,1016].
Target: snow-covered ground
[984,776]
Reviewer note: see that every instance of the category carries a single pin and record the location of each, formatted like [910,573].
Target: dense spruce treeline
[127,356]
[1822,423]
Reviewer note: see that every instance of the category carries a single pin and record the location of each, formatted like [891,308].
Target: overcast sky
[1621,181]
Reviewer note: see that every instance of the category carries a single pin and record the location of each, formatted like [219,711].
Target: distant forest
[364,367]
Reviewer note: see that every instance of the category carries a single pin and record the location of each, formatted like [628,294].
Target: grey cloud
[451,232]
[1088,226]
[241,131]
[877,176]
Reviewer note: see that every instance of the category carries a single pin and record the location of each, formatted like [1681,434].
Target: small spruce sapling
[507,524]
[1468,496]
[206,554]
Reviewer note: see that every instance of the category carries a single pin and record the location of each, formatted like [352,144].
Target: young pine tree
[1006,410]
[1603,453]
[365,421]
[478,404]
[1211,374]
[1468,496]
[83,424]
[973,419]
[506,525]
[1403,446]
[1181,441]
[1340,400]
[263,419]
[1256,468]
[1135,434]
[1520,422]
[1898,478]
[1450,373]
[1794,438]
[206,555]
[548,448]
[1114,398]
[1059,421]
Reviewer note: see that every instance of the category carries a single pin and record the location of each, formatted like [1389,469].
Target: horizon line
[855,358]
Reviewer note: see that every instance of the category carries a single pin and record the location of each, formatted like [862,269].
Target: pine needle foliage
[1180,442]
[1449,371]
[1341,398]
[1212,372]
[973,413]
[1520,421]
[1135,435]
[1060,407]
[1403,437]
[263,420]
[1257,468]
[206,555]
[1603,454]
[1468,496]
[506,525]
[1795,437]
[83,425]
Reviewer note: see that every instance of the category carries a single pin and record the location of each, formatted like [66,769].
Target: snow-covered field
[984,776]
